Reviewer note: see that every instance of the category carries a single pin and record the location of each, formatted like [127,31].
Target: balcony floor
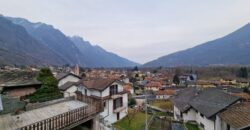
[10,122]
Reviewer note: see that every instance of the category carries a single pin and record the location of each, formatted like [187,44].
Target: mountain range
[232,49]
[25,43]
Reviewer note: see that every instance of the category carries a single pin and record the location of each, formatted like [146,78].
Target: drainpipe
[104,108]
[108,112]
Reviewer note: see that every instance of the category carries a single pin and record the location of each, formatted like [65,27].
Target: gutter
[104,108]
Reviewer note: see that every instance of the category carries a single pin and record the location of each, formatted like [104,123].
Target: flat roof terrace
[11,122]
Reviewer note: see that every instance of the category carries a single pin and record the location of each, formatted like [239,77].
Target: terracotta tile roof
[127,87]
[153,84]
[98,84]
[237,115]
[242,95]
[166,92]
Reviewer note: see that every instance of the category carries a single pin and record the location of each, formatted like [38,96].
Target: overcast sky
[140,30]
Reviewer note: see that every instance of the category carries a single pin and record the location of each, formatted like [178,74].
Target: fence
[91,101]
[67,119]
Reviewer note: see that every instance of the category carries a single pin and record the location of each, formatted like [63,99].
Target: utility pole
[146,110]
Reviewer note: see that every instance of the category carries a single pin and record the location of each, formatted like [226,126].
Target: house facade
[110,91]
[114,97]
[67,83]
[202,106]
[63,78]
[153,86]
[236,117]
[69,89]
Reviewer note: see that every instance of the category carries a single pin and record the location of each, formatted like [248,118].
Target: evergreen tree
[49,89]
[131,102]
[243,72]
[176,79]
[135,68]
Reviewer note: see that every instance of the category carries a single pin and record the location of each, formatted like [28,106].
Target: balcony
[117,95]
[61,115]
[119,109]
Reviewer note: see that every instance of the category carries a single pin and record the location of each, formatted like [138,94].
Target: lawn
[160,124]
[137,120]
[191,126]
[163,114]
[163,104]
[156,124]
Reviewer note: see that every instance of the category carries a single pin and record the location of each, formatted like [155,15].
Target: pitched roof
[67,85]
[98,84]
[183,97]
[211,101]
[60,76]
[244,96]
[127,87]
[230,89]
[154,84]
[237,115]
[166,92]
[20,84]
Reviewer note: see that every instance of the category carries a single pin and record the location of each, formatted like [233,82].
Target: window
[202,125]
[117,103]
[228,127]
[104,104]
[85,91]
[113,90]
[202,115]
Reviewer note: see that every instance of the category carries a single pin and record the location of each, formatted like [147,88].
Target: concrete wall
[70,91]
[222,125]
[208,124]
[120,87]
[218,123]
[190,115]
[177,113]
[105,92]
[108,113]
[96,123]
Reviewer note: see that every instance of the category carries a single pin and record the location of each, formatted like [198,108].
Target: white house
[67,83]
[69,89]
[202,106]
[153,85]
[164,94]
[236,117]
[63,78]
[115,98]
